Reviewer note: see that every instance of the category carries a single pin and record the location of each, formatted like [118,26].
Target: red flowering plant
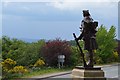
[53,48]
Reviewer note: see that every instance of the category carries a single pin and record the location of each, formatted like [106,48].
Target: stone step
[89,79]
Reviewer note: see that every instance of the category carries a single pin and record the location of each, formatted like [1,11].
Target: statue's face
[86,13]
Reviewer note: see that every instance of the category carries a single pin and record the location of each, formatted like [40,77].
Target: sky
[53,19]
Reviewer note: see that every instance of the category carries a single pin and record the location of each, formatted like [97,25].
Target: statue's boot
[90,64]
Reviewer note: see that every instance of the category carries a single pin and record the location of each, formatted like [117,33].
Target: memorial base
[81,73]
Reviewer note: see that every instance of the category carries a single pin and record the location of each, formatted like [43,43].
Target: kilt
[90,42]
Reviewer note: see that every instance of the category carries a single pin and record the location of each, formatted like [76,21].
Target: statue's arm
[81,29]
[80,37]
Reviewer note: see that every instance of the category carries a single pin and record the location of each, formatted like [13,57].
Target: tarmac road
[110,72]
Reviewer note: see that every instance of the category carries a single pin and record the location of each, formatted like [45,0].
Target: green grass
[44,71]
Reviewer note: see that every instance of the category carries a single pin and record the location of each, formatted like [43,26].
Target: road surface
[110,72]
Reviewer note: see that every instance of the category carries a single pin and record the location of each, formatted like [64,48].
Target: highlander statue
[88,34]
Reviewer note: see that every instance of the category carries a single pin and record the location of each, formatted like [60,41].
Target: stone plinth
[80,73]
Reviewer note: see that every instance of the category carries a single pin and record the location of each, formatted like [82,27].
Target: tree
[30,53]
[75,58]
[72,42]
[106,43]
[22,52]
[119,49]
[0,45]
[10,47]
[54,48]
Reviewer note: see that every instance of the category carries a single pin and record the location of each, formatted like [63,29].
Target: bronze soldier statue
[88,29]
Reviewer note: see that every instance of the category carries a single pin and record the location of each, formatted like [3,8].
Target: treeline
[44,54]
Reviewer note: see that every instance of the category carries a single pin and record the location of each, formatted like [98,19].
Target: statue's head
[86,13]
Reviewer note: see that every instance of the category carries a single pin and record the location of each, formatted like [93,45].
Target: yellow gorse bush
[94,51]
[115,54]
[8,64]
[39,63]
[19,69]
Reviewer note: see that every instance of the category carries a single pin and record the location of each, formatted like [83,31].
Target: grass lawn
[44,71]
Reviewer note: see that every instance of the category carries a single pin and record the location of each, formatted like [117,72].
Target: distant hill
[29,40]
[72,42]
[118,41]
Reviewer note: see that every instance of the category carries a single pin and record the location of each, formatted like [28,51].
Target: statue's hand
[77,39]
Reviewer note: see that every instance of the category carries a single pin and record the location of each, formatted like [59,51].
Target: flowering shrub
[18,69]
[10,70]
[8,64]
[53,48]
[116,56]
[39,63]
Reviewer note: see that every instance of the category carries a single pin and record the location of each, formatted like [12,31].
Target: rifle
[82,54]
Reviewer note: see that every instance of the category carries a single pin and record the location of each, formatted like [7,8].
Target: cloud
[26,8]
[60,0]
[102,8]
[5,3]
[68,4]
[31,15]
[75,4]
[60,9]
